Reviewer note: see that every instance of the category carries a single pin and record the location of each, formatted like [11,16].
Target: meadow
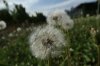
[14,49]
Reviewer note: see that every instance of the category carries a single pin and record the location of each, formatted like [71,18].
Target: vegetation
[19,15]
[14,45]
[90,8]
[16,52]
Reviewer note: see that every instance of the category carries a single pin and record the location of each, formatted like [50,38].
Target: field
[14,46]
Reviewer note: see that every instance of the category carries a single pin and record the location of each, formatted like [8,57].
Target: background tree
[19,14]
[41,19]
[90,8]
[6,4]
[6,16]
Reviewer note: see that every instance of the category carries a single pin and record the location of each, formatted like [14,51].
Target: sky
[44,6]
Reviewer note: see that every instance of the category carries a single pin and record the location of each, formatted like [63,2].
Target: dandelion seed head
[18,29]
[60,17]
[46,41]
[2,25]
[87,15]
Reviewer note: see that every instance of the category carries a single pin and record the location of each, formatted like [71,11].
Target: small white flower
[60,17]
[87,15]
[2,25]
[18,29]
[46,41]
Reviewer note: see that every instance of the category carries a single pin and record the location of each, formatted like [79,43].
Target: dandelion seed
[46,41]
[2,25]
[60,17]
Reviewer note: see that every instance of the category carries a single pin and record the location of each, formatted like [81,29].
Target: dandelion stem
[68,50]
[98,55]
[49,61]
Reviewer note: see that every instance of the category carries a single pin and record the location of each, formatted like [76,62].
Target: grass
[14,51]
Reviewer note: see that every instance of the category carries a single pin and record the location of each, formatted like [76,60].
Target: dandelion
[18,29]
[46,42]
[60,17]
[2,25]
[87,15]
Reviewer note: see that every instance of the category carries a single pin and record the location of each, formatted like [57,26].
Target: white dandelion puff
[46,41]
[2,25]
[18,29]
[60,17]
[87,15]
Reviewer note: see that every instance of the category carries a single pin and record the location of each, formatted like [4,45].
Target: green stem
[98,55]
[68,50]
[49,61]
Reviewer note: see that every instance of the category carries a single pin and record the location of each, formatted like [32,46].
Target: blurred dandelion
[60,17]
[18,29]
[87,15]
[2,25]
[45,42]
